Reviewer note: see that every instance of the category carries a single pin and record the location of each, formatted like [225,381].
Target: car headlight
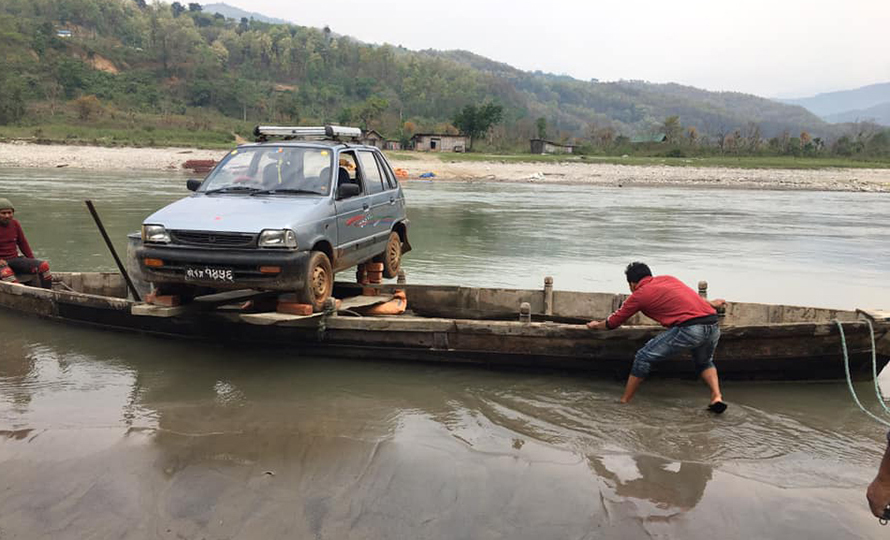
[155,233]
[278,238]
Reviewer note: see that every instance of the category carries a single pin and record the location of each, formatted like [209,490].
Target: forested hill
[641,107]
[137,57]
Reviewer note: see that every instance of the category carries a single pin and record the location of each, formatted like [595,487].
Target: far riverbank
[29,155]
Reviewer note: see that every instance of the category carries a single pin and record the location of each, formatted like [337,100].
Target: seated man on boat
[691,321]
[12,240]
[878,493]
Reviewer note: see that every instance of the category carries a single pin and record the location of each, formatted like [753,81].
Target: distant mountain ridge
[231,12]
[879,114]
[870,101]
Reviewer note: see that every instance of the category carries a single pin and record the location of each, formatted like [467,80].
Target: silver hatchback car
[281,215]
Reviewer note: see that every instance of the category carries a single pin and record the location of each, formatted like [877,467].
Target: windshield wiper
[284,190]
[231,189]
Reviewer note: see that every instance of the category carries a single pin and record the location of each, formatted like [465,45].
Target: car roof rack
[329,133]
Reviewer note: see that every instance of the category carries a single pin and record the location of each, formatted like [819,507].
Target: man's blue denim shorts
[699,339]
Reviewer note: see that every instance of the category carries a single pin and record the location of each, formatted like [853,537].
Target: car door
[396,202]
[353,215]
[381,216]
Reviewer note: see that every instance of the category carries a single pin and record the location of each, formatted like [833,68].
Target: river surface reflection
[115,436]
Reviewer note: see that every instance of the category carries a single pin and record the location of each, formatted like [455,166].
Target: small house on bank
[541,146]
[435,142]
[63,33]
[392,144]
[373,138]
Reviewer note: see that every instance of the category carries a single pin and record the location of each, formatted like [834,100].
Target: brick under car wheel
[319,281]
[186,293]
[392,256]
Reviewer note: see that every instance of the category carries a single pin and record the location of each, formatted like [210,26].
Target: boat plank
[150,310]
[275,318]
[364,301]
[227,297]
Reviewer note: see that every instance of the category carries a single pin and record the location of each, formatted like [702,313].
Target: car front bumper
[245,266]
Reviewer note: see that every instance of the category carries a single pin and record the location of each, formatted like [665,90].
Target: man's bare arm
[878,493]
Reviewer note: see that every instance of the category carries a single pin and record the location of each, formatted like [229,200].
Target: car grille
[213,239]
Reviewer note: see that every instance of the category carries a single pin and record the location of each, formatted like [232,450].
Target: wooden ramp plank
[364,301]
[273,317]
[149,310]
[228,297]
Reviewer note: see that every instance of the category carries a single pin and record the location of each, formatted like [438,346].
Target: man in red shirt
[691,321]
[12,240]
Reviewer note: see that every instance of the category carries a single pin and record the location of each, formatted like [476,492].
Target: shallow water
[111,435]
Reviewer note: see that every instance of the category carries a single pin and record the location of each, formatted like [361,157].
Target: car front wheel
[319,281]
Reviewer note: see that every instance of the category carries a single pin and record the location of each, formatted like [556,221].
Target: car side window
[348,171]
[387,172]
[371,172]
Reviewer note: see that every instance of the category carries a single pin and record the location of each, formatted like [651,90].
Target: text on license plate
[206,273]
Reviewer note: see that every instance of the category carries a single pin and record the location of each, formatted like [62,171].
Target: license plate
[207,273]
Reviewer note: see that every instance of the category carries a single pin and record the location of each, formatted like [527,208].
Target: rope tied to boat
[874,370]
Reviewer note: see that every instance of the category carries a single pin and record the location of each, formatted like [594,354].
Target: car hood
[238,213]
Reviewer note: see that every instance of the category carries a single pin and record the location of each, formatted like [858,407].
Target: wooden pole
[548,295]
[525,312]
[108,243]
[703,289]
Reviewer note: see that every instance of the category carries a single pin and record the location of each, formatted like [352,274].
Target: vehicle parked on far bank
[280,215]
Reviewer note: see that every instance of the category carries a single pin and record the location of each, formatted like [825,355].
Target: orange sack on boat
[396,306]
[401,173]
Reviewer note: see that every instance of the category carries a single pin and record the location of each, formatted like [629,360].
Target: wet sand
[171,159]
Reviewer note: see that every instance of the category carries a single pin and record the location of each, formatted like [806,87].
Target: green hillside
[133,72]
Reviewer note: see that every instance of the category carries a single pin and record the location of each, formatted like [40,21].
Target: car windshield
[270,170]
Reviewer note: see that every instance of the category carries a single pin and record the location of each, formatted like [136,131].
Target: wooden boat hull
[768,351]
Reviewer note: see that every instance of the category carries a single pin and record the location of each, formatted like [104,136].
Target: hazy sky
[772,48]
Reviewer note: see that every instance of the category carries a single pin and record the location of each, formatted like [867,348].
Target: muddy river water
[107,435]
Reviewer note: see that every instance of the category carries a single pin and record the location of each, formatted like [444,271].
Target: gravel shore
[102,158]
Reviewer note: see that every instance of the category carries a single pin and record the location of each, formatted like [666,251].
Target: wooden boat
[479,326]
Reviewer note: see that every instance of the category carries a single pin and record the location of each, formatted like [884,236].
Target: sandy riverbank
[102,158]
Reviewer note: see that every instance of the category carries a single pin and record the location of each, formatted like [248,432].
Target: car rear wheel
[392,257]
[319,281]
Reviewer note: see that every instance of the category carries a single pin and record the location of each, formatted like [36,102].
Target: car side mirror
[348,190]
[192,184]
